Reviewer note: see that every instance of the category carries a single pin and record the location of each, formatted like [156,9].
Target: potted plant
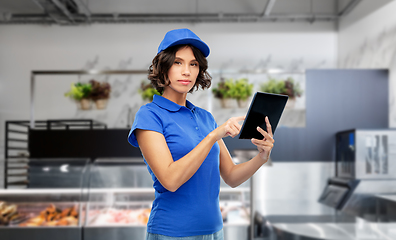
[81,93]
[225,91]
[147,91]
[286,87]
[100,93]
[243,90]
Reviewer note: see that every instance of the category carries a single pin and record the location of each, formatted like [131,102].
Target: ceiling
[76,12]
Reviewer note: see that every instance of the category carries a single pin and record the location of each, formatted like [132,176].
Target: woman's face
[184,71]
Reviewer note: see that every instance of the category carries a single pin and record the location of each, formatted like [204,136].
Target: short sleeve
[213,119]
[145,119]
[215,123]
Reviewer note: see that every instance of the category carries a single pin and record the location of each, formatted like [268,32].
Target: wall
[336,100]
[368,41]
[23,48]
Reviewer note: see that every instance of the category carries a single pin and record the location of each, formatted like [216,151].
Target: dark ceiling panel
[155,11]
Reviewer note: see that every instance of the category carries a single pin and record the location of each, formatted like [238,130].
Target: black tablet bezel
[247,131]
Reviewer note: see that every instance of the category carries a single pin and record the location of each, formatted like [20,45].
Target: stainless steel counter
[305,220]
[344,231]
[387,197]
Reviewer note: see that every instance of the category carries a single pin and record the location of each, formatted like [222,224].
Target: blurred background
[73,74]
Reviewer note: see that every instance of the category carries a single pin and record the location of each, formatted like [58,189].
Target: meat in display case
[109,199]
[120,196]
[119,199]
[48,218]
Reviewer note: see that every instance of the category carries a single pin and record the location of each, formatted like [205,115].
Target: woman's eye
[178,63]
[194,64]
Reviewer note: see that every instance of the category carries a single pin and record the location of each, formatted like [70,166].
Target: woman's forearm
[241,172]
[172,174]
[182,170]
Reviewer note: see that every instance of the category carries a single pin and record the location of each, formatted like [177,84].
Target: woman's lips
[184,82]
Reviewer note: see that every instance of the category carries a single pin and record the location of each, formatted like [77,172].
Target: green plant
[243,89]
[147,91]
[225,89]
[229,88]
[286,87]
[100,90]
[79,91]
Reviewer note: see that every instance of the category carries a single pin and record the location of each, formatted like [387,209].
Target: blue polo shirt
[193,209]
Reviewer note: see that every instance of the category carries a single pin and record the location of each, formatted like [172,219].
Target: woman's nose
[186,70]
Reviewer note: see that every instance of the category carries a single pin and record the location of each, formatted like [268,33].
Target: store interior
[67,170]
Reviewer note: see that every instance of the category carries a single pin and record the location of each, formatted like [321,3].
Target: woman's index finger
[269,128]
[240,118]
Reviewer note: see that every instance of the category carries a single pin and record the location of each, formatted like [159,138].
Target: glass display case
[120,195]
[51,207]
[119,199]
[106,199]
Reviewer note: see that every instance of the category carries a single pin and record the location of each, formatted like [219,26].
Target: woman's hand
[230,128]
[267,143]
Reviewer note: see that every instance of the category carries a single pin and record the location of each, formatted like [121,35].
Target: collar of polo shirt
[169,105]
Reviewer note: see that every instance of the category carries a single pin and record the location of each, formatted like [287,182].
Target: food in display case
[8,213]
[234,213]
[53,216]
[113,216]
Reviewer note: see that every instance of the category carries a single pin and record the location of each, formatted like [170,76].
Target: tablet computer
[262,105]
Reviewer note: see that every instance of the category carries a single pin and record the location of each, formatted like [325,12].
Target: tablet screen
[262,105]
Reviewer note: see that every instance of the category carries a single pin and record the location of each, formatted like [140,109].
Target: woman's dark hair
[158,71]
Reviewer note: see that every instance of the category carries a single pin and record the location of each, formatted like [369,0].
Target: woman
[182,144]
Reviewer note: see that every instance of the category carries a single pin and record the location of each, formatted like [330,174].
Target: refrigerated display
[120,195]
[42,214]
[108,199]
[52,205]
[57,173]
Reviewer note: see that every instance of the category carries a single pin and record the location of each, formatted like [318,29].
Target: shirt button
[196,128]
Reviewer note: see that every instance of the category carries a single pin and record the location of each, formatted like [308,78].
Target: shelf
[39,191]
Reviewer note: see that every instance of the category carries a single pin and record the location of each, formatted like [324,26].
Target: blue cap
[183,36]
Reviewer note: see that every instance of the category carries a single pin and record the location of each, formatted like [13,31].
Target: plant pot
[291,102]
[85,104]
[101,103]
[227,102]
[242,103]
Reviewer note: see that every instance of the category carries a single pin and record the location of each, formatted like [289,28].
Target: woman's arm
[234,175]
[173,174]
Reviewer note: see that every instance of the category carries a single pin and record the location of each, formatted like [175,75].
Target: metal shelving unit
[16,152]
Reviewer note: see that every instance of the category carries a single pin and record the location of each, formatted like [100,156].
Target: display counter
[106,199]
[120,195]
